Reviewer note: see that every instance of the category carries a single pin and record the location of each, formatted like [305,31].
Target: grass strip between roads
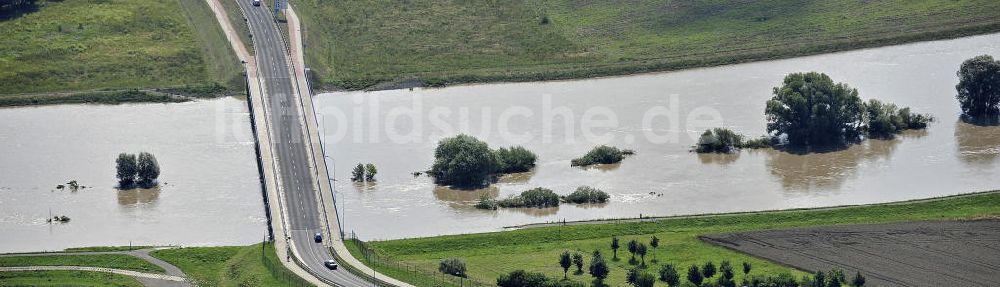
[66,278]
[231,265]
[115,261]
[488,255]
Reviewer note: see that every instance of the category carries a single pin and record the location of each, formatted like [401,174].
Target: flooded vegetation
[660,117]
[208,191]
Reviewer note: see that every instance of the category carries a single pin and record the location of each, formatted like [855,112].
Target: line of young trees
[141,170]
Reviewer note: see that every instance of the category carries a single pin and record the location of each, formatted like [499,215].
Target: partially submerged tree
[979,88]
[127,168]
[370,172]
[515,159]
[813,111]
[147,169]
[463,160]
[358,173]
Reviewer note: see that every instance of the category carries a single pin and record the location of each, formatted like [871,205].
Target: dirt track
[940,253]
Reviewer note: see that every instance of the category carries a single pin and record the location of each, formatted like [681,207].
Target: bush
[811,110]
[694,276]
[536,197]
[485,202]
[586,194]
[979,88]
[515,159]
[780,280]
[600,155]
[452,266]
[883,120]
[521,278]
[668,274]
[463,160]
[719,140]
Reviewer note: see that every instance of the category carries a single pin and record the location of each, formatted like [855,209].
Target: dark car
[318,237]
[330,264]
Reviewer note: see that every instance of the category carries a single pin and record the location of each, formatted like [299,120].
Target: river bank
[488,255]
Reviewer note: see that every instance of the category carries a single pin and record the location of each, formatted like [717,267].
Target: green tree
[858,281]
[641,249]
[668,274]
[515,159]
[726,269]
[694,276]
[819,279]
[452,266]
[370,172]
[746,268]
[586,194]
[358,174]
[578,261]
[147,169]
[633,247]
[631,276]
[127,170]
[836,278]
[463,160]
[883,120]
[708,270]
[644,279]
[600,155]
[654,242]
[565,261]
[813,111]
[598,268]
[615,246]
[720,140]
[979,88]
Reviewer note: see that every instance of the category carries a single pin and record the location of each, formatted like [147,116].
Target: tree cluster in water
[810,110]
[466,161]
[543,197]
[142,170]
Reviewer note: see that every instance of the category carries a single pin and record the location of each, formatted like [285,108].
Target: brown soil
[933,253]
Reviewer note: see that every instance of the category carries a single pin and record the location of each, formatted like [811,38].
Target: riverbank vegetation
[602,155]
[465,161]
[107,98]
[979,90]
[254,265]
[363,44]
[490,255]
[115,45]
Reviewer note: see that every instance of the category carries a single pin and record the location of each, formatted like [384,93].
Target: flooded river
[660,116]
[209,192]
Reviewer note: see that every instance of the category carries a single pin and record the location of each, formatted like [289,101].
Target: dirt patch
[934,253]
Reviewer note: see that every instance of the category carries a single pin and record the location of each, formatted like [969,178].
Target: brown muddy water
[209,192]
[397,130]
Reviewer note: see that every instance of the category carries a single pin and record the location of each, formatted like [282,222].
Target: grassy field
[357,44]
[88,45]
[66,278]
[231,266]
[537,249]
[239,23]
[106,248]
[117,261]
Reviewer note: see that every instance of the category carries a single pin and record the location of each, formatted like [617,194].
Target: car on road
[318,237]
[330,264]
[256,2]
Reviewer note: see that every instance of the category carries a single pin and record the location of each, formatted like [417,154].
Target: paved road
[289,145]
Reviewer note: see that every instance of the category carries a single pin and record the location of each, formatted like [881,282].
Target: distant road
[296,182]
